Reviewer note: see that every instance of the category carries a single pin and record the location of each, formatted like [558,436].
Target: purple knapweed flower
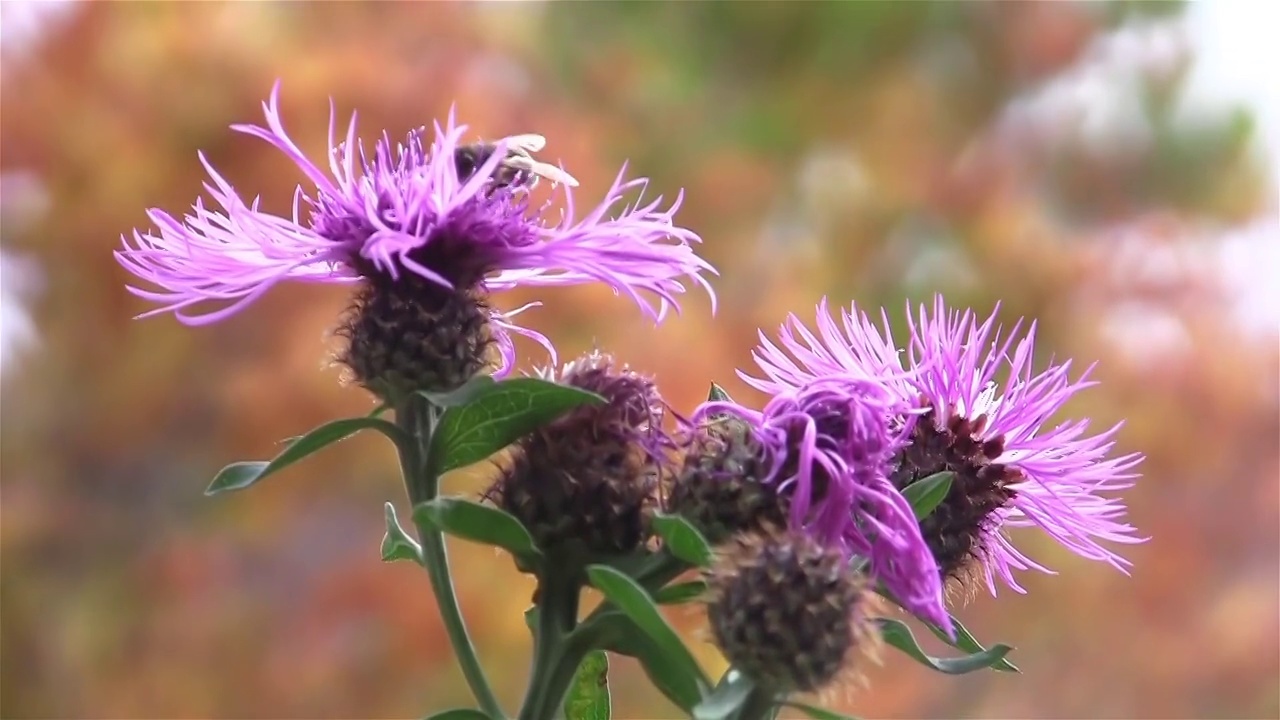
[433,213]
[981,410]
[827,445]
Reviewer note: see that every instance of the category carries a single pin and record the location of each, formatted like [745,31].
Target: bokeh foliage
[866,151]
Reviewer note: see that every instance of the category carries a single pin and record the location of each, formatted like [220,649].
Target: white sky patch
[22,20]
[22,201]
[1237,56]
[19,279]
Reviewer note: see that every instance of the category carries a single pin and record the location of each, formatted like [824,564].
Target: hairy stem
[418,418]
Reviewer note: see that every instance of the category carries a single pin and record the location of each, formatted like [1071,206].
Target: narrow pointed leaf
[897,634]
[724,701]
[588,697]
[459,714]
[964,640]
[478,523]
[680,592]
[632,600]
[718,394]
[241,475]
[817,713]
[497,415]
[682,539]
[926,494]
[397,544]
[968,643]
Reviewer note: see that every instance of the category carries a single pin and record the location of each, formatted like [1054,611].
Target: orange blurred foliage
[857,150]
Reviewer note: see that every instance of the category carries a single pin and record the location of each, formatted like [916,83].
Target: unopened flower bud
[588,479]
[787,611]
[722,487]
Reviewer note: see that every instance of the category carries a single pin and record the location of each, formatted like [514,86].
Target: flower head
[826,446]
[787,610]
[724,483]
[588,478]
[453,216]
[979,409]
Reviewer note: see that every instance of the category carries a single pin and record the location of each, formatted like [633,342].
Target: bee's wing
[543,170]
[552,173]
[529,143]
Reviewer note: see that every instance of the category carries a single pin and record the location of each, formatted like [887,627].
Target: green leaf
[817,713]
[897,634]
[683,540]
[461,395]
[479,523]
[238,476]
[397,544]
[727,697]
[497,415]
[718,394]
[680,592]
[928,493]
[967,642]
[667,653]
[964,640]
[626,638]
[588,697]
[459,714]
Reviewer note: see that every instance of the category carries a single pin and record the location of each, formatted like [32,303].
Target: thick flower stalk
[826,447]
[429,222]
[980,409]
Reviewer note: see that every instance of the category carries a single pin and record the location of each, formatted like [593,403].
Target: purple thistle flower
[1012,468]
[406,210]
[829,443]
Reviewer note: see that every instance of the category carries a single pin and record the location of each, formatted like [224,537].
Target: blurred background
[1107,168]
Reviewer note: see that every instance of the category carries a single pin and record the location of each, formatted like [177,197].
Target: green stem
[559,589]
[761,704]
[418,419]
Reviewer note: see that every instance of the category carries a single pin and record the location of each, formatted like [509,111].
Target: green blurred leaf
[682,539]
[459,714]
[926,494]
[497,414]
[817,713]
[396,544]
[666,654]
[718,394]
[680,592]
[479,523]
[238,476]
[897,634]
[968,643]
[588,697]
[724,701]
[463,394]
[964,640]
